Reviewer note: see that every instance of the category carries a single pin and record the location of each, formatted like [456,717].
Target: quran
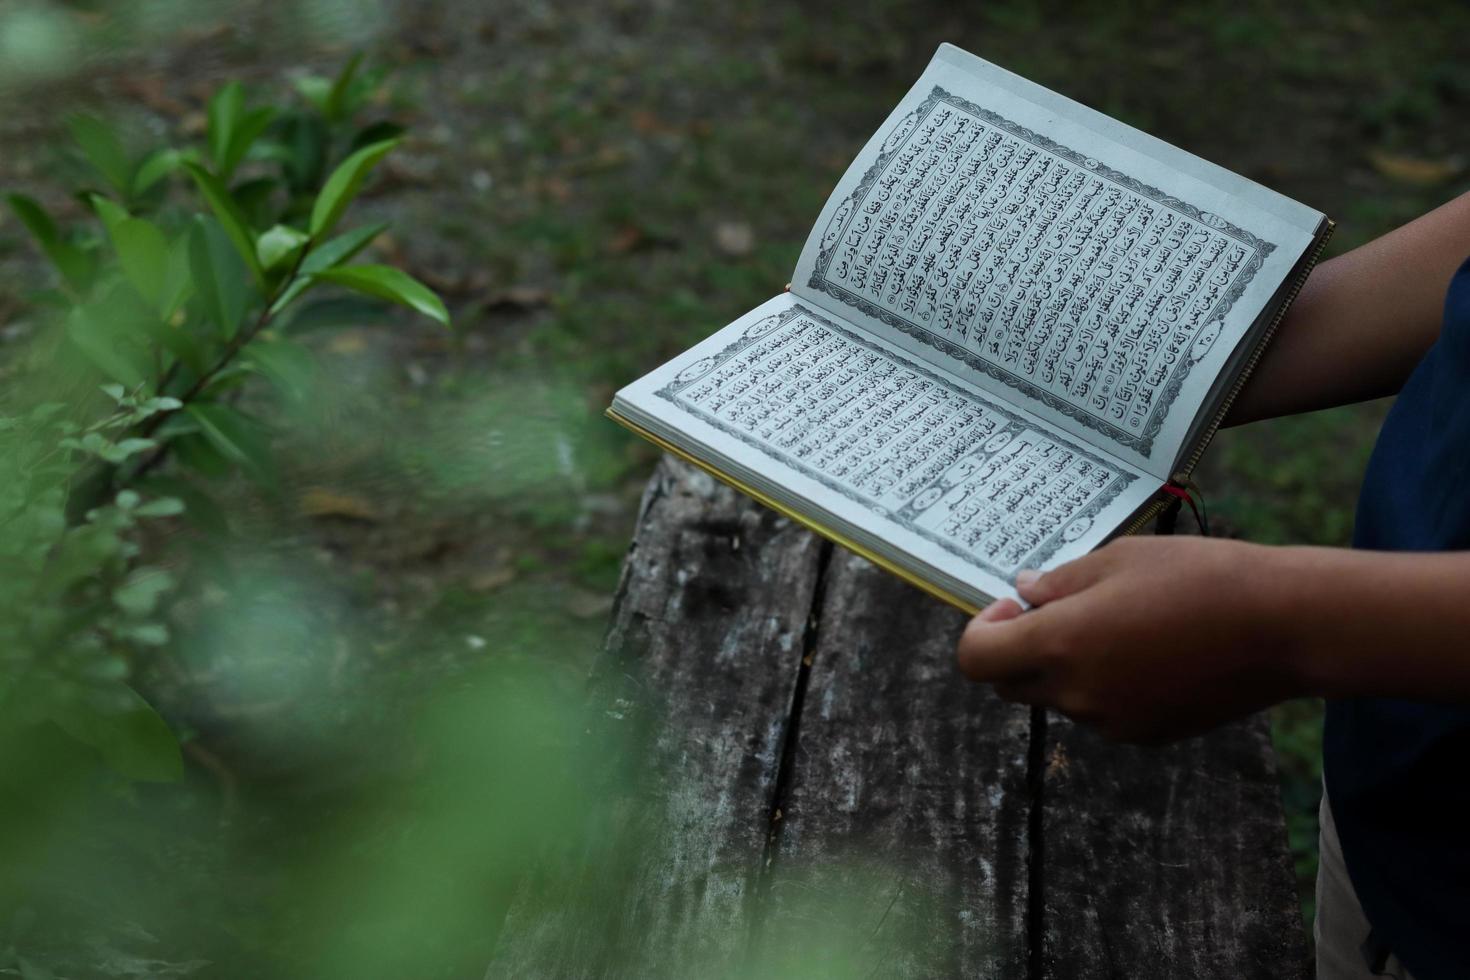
[1015,322]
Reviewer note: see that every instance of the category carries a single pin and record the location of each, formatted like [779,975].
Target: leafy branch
[170,300]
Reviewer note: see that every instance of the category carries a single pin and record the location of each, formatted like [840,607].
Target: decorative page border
[899,136]
[767,325]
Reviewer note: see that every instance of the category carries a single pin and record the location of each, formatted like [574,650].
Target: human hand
[1146,639]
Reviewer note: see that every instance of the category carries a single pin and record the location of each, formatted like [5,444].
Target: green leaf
[337,101]
[316,90]
[273,150]
[116,392]
[160,507]
[249,129]
[230,217]
[225,109]
[227,379]
[131,736]
[178,340]
[74,265]
[177,281]
[111,213]
[304,137]
[377,132]
[139,593]
[199,454]
[177,424]
[142,251]
[103,151]
[219,277]
[330,253]
[344,185]
[153,168]
[116,353]
[337,250]
[279,246]
[91,443]
[255,200]
[146,634]
[45,410]
[157,270]
[121,451]
[386,282]
[119,324]
[236,437]
[286,363]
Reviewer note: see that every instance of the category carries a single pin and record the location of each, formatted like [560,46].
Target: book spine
[1255,358]
[1155,507]
[1145,516]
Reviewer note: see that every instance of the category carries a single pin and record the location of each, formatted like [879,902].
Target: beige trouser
[1340,928]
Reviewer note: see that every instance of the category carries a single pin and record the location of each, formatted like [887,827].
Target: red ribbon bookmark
[1200,517]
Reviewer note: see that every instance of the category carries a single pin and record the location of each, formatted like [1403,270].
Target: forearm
[1372,624]
[1362,321]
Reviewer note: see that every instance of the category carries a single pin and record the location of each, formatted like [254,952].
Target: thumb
[1039,588]
[999,611]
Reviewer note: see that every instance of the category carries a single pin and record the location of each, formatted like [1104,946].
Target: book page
[804,406]
[1091,274]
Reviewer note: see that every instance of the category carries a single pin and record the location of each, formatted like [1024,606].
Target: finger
[1000,610]
[990,651]
[1039,588]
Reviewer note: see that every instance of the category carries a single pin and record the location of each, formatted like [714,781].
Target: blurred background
[370,654]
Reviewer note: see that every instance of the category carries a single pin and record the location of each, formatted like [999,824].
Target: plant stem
[232,349]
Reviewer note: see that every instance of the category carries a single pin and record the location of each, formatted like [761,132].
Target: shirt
[1398,772]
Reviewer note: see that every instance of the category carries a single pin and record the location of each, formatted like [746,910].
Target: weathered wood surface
[1173,858]
[905,821]
[699,669]
[818,792]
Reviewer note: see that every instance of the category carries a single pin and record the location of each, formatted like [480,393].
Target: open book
[1014,322]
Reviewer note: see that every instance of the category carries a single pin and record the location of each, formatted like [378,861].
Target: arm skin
[1149,639]
[1362,320]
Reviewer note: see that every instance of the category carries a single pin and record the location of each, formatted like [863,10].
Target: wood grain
[806,786]
[904,832]
[700,664]
[1166,862]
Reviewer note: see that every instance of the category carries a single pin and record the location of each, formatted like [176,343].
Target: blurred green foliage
[164,309]
[173,311]
[388,581]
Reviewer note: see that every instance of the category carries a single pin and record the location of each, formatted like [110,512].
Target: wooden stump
[813,789]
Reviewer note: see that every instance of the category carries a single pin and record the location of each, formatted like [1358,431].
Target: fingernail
[1026,578]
